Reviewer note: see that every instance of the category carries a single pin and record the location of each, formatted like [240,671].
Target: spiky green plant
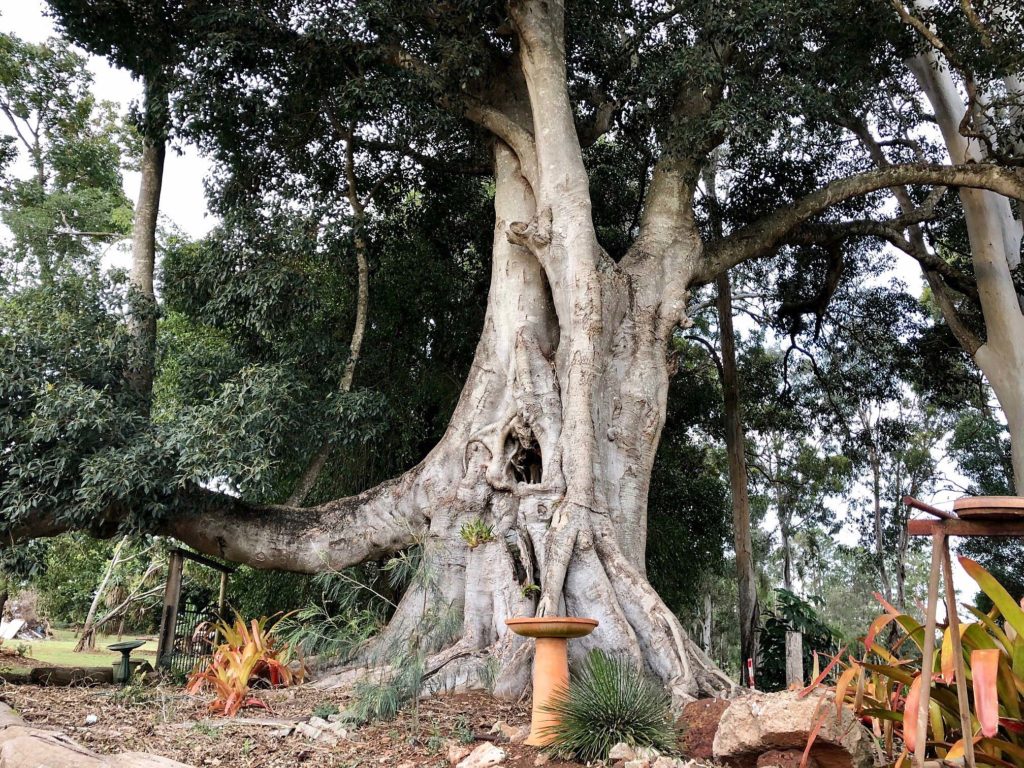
[476,532]
[610,700]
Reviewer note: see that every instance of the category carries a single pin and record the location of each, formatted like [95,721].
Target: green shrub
[792,613]
[610,700]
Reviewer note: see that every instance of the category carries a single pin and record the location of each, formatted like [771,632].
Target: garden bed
[162,720]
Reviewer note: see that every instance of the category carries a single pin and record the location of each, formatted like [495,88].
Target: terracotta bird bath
[550,665]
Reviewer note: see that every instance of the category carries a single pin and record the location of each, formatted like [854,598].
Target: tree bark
[147,209]
[994,235]
[735,445]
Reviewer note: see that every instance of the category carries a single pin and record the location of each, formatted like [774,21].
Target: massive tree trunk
[554,437]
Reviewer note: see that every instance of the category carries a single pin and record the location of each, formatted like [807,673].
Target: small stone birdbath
[550,666]
[124,671]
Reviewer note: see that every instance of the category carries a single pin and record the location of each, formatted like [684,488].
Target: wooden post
[928,652]
[958,657]
[169,617]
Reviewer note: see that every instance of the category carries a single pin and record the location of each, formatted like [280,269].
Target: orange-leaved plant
[884,684]
[247,655]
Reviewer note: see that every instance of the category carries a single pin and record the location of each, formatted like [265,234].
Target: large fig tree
[575,109]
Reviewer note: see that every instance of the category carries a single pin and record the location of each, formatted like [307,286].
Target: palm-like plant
[884,685]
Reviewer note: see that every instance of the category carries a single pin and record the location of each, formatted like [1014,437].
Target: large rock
[697,725]
[762,722]
[22,746]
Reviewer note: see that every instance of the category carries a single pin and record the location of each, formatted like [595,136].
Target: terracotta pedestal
[550,665]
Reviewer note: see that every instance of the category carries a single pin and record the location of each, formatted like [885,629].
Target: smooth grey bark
[995,238]
[143,257]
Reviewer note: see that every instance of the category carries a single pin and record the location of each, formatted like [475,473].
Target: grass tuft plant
[476,532]
[610,700]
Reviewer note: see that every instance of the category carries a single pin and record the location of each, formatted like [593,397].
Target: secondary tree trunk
[995,237]
[147,210]
[735,444]
[316,464]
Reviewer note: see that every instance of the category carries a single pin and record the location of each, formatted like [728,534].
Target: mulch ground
[162,720]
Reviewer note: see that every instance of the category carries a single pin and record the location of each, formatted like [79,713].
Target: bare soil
[162,720]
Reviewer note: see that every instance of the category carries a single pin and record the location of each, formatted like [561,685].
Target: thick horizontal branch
[332,536]
[762,237]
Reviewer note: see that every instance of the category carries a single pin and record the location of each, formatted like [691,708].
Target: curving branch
[331,536]
[762,237]
[512,133]
[823,234]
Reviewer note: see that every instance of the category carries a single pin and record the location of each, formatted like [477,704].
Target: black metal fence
[190,611]
[193,637]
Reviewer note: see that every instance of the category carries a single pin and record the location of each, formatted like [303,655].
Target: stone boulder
[22,746]
[782,722]
[697,725]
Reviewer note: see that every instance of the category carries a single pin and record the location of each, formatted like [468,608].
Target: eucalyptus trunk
[995,238]
[735,444]
[144,226]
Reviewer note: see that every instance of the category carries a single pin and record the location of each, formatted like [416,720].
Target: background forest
[843,409]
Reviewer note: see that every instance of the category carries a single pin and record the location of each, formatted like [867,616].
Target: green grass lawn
[59,650]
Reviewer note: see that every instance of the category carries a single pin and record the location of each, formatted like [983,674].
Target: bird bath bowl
[990,507]
[550,665]
[123,668]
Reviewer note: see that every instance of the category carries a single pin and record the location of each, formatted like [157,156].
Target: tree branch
[964,335]
[508,130]
[762,237]
[334,535]
[821,234]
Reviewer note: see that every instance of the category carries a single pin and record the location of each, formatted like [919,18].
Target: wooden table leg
[958,657]
[928,652]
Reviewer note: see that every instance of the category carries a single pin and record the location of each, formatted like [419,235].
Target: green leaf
[1007,606]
